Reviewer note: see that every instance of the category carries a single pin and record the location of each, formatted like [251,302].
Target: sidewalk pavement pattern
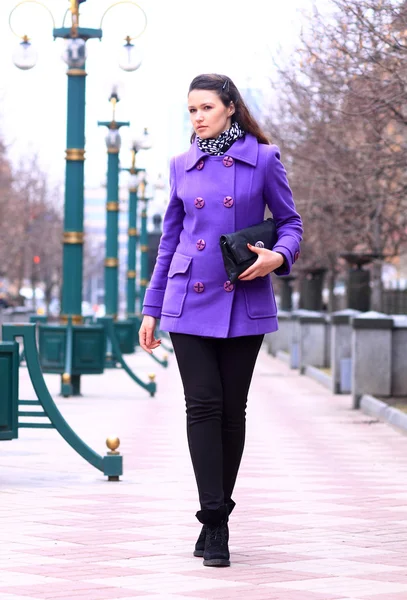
[321,499]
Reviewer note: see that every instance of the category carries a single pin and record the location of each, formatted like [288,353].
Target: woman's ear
[232,109]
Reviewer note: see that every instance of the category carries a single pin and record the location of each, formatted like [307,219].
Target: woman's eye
[191,110]
[208,107]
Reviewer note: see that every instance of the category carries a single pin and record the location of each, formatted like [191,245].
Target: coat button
[228,201]
[201,244]
[199,287]
[200,165]
[228,161]
[199,202]
[228,287]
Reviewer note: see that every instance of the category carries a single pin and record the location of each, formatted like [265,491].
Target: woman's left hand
[267,262]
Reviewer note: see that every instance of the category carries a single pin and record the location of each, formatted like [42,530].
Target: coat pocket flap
[179,264]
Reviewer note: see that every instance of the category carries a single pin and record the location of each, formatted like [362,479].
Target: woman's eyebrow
[203,104]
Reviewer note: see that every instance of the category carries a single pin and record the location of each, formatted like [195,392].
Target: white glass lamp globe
[75,52]
[25,56]
[130,57]
[113,139]
[149,191]
[159,183]
[142,141]
[134,180]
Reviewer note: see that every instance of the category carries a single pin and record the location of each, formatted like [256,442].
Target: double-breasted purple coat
[210,196]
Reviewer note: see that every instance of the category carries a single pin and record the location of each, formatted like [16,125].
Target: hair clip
[224,85]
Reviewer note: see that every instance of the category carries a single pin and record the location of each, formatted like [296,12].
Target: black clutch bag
[236,255]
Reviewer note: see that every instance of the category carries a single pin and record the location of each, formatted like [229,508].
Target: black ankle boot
[200,542]
[216,551]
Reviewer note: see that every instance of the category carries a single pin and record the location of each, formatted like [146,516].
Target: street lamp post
[132,240]
[143,245]
[136,177]
[71,366]
[73,236]
[113,143]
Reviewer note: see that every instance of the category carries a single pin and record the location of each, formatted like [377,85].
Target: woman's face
[209,116]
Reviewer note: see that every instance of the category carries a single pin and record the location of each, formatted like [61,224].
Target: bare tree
[31,225]
[341,118]
[9,221]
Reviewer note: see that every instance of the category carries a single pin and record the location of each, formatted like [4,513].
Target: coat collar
[244,149]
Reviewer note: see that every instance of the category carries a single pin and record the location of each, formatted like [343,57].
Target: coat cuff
[286,266]
[153,297]
[153,301]
[289,259]
[151,311]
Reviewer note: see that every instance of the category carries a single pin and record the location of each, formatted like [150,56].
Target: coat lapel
[245,149]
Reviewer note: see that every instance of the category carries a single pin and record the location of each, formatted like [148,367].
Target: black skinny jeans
[216,375]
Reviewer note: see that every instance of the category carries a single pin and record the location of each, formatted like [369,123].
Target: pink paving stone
[258,576]
[303,445]
[111,595]
[268,558]
[396,596]
[85,555]
[77,573]
[44,591]
[258,593]
[88,538]
[392,577]
[386,559]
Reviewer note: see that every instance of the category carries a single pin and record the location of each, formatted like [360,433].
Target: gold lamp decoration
[113,443]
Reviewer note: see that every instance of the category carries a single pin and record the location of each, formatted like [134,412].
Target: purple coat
[212,195]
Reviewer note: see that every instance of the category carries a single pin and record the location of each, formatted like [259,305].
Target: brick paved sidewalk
[321,499]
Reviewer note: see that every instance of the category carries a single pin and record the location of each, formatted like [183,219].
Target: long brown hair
[228,92]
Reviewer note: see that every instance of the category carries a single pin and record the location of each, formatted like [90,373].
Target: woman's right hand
[146,334]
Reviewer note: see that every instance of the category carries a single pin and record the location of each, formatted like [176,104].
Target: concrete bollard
[280,339]
[371,355]
[328,334]
[268,341]
[294,341]
[399,356]
[341,350]
[312,340]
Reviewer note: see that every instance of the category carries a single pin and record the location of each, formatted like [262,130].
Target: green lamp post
[136,177]
[71,349]
[113,143]
[143,244]
[132,240]
[134,292]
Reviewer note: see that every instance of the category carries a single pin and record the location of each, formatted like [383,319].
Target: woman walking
[222,184]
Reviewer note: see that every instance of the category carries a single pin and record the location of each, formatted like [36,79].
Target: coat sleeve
[280,201]
[172,227]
